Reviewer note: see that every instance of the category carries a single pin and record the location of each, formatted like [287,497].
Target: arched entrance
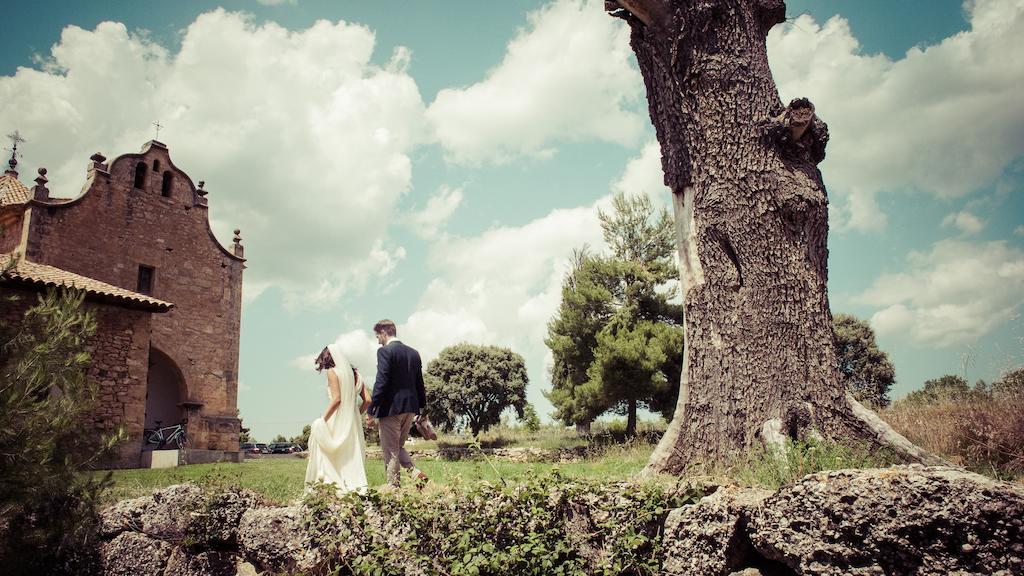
[165,391]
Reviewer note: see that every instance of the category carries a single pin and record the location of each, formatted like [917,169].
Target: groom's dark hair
[324,361]
[385,326]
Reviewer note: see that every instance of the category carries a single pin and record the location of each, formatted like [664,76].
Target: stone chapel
[166,294]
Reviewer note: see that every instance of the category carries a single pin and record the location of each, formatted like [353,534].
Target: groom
[398,395]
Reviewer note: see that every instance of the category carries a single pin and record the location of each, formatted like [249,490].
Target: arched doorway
[165,391]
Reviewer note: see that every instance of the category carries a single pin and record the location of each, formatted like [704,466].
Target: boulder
[274,539]
[134,554]
[182,563]
[216,524]
[165,515]
[708,537]
[899,520]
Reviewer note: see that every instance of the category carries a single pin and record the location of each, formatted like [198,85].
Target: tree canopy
[617,339]
[471,385]
[866,370]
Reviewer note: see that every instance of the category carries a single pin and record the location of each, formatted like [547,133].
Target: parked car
[263,448]
[249,448]
[297,448]
[281,448]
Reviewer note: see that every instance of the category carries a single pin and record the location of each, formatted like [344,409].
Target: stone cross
[158,127]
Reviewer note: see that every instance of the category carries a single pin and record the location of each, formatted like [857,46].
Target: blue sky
[436,163]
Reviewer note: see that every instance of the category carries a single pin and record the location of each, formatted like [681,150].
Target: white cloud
[644,175]
[287,139]
[952,295]
[427,222]
[965,222]
[569,75]
[944,119]
[502,286]
[1019,231]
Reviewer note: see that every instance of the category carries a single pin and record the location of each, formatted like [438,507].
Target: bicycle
[167,436]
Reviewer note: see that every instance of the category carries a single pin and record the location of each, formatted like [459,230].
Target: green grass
[281,479]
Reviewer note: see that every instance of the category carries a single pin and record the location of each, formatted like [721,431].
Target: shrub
[980,430]
[48,509]
[546,525]
[761,467]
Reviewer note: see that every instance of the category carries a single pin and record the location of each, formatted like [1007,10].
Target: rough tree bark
[752,223]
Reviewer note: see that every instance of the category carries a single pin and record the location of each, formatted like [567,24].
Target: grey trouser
[394,430]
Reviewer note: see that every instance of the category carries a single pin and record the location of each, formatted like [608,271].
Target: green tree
[302,439]
[472,385]
[1010,384]
[616,340]
[530,420]
[866,371]
[948,387]
[572,338]
[279,438]
[48,497]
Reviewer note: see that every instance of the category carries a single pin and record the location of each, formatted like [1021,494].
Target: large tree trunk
[752,220]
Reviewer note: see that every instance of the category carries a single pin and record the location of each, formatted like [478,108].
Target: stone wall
[119,352]
[900,520]
[114,228]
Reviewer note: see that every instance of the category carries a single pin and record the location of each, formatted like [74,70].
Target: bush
[49,509]
[761,467]
[547,525]
[980,430]
[530,419]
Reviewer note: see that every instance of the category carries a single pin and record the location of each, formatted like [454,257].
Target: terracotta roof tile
[12,191]
[42,275]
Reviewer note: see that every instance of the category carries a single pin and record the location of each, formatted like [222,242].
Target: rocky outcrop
[710,537]
[907,520]
[134,554]
[165,515]
[275,540]
[899,520]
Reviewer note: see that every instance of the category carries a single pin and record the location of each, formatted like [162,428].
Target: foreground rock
[907,520]
[710,537]
[900,520]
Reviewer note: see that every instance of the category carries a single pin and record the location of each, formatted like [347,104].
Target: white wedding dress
[337,447]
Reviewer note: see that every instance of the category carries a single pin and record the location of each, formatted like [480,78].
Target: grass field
[281,478]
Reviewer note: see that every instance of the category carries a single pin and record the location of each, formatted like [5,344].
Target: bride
[336,443]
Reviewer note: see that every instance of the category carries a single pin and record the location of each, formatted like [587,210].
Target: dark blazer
[399,387]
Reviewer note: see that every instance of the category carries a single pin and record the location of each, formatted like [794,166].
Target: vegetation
[470,385]
[980,427]
[281,479]
[866,370]
[760,467]
[547,524]
[616,339]
[530,420]
[48,506]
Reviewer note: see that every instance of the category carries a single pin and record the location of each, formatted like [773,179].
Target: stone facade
[119,351]
[141,224]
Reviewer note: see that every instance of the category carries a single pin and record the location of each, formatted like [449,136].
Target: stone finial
[200,191]
[40,191]
[238,249]
[96,162]
[16,139]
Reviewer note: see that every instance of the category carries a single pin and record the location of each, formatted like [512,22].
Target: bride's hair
[324,361]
